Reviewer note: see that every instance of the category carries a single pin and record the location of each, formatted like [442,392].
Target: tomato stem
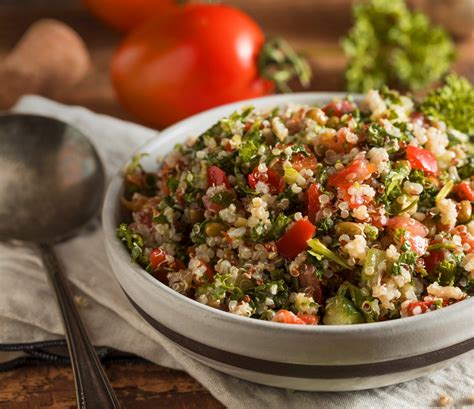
[280,63]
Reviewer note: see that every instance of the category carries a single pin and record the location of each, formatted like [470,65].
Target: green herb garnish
[453,104]
[389,44]
[134,243]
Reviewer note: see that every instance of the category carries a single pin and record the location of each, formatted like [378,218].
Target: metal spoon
[51,184]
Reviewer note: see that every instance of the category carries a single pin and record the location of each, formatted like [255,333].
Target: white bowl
[316,358]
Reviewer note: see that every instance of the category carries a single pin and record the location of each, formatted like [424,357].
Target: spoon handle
[93,389]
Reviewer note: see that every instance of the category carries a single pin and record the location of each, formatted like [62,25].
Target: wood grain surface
[312,26]
[138,385]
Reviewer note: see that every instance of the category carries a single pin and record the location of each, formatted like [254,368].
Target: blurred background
[313,27]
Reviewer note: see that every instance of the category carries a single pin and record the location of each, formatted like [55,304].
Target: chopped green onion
[408,208]
[444,192]
[319,249]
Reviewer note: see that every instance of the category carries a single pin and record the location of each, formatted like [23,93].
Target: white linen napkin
[28,310]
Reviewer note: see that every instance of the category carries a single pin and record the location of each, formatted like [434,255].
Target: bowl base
[321,385]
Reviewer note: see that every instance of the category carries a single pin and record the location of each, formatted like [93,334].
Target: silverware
[51,185]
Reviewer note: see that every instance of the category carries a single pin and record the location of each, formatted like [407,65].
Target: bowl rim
[116,246]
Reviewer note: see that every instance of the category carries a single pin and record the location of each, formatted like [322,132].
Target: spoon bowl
[51,184]
[51,179]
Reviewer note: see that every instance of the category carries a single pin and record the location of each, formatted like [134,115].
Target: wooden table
[142,385]
[312,26]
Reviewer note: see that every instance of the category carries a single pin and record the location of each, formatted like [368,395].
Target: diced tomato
[216,177]
[275,183]
[336,141]
[411,225]
[464,191]
[339,108]
[287,317]
[422,159]
[294,240]
[312,197]
[466,238]
[300,161]
[415,232]
[157,257]
[210,205]
[357,171]
[161,267]
[418,244]
[433,258]
[209,271]
[354,201]
[378,220]
[308,319]
[421,307]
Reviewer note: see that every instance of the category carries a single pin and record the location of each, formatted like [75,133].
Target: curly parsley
[389,44]
[453,103]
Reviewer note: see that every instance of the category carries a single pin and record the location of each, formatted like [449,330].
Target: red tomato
[357,171]
[312,196]
[422,307]
[196,57]
[271,178]
[354,201]
[300,161]
[409,224]
[422,159]
[209,271]
[335,141]
[157,257]
[464,191]
[466,238]
[126,14]
[161,267]
[216,177]
[210,205]
[418,244]
[294,240]
[308,319]
[433,259]
[415,232]
[287,317]
[339,108]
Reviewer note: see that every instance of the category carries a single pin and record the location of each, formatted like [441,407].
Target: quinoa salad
[341,214]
